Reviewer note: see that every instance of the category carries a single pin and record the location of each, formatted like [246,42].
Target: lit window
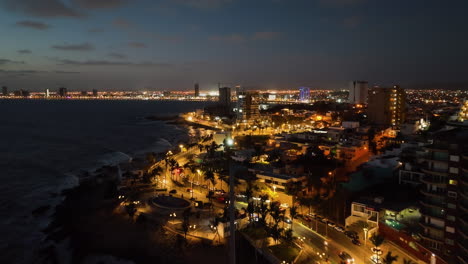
[454,158]
[453,182]
[451,218]
[452,194]
[450,229]
[453,170]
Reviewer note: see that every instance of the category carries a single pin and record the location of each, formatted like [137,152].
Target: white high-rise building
[358,91]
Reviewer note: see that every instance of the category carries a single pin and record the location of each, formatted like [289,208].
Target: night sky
[170,44]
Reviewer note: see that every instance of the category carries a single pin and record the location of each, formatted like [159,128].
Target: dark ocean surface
[43,141]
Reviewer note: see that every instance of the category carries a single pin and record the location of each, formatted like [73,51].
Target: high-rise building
[386,106]
[4,91]
[444,190]
[225,96]
[358,92]
[197,89]
[62,92]
[248,107]
[95,93]
[304,94]
[463,114]
[47,93]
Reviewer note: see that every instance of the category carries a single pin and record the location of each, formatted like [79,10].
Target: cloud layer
[41,8]
[74,47]
[33,24]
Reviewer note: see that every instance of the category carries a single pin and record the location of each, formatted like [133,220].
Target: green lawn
[285,252]
[255,233]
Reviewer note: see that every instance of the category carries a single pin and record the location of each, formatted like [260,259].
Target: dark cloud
[66,72]
[340,3]
[352,22]
[122,23]
[74,47]
[134,44]
[202,3]
[33,24]
[31,72]
[24,51]
[41,8]
[266,35]
[110,63]
[95,4]
[95,30]
[7,61]
[231,38]
[238,38]
[117,55]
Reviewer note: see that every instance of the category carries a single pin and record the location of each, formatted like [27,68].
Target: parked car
[173,192]
[190,190]
[287,220]
[323,220]
[307,218]
[356,242]
[339,229]
[331,224]
[351,234]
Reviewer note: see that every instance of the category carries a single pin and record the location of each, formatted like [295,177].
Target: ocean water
[42,141]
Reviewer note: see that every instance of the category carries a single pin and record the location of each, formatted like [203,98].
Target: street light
[365,235]
[274,188]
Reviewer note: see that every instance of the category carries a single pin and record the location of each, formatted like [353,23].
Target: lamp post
[232,226]
[433,259]
[365,235]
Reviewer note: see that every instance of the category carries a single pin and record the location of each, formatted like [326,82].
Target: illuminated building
[47,93]
[444,190]
[197,90]
[95,93]
[225,99]
[304,94]
[463,115]
[386,106]
[248,107]
[63,92]
[358,92]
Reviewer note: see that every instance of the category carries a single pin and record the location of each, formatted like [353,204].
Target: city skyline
[171,45]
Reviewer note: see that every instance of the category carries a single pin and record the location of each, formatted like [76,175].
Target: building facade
[197,89]
[444,190]
[386,106]
[304,94]
[63,92]
[4,91]
[358,92]
[248,107]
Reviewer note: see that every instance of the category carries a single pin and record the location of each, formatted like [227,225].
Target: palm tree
[389,258]
[377,240]
[155,172]
[209,176]
[293,214]
[276,231]
[221,178]
[288,236]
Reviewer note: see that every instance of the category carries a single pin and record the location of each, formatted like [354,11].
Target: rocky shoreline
[88,223]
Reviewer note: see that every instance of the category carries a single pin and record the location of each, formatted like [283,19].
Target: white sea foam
[38,157]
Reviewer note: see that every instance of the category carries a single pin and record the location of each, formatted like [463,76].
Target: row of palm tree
[377,240]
